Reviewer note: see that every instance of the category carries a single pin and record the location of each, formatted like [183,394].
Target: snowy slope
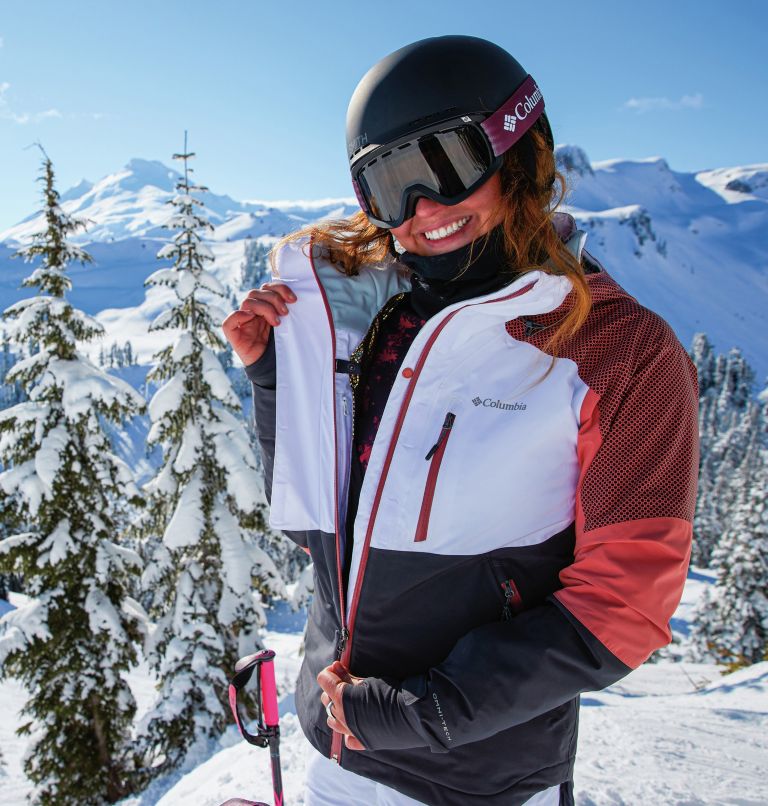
[688,245]
[670,733]
[685,245]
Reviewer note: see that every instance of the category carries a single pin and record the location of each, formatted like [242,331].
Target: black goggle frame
[410,192]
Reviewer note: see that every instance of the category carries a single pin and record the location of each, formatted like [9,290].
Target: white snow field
[672,732]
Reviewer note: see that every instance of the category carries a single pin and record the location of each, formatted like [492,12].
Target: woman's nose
[426,207]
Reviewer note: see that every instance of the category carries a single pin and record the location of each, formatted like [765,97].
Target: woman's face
[437,228]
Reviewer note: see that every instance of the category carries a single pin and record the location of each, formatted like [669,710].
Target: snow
[191,444]
[167,398]
[48,458]
[669,733]
[23,480]
[28,621]
[82,383]
[187,523]
[59,544]
[102,615]
[216,378]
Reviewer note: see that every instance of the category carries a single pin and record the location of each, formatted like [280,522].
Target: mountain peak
[573,159]
[76,191]
[142,172]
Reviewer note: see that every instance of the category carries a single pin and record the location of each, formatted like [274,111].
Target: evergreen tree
[206,506]
[10,395]
[10,392]
[255,267]
[63,487]
[725,388]
[731,624]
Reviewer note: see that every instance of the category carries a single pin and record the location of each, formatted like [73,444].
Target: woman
[488,448]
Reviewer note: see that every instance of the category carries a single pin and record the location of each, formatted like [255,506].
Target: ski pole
[268,729]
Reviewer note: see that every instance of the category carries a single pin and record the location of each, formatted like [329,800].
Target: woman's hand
[247,329]
[332,681]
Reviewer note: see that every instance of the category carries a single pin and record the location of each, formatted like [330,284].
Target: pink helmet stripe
[514,117]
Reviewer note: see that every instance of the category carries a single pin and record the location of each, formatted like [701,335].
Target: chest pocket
[492,465]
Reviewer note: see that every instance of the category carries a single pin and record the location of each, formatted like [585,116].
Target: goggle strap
[514,117]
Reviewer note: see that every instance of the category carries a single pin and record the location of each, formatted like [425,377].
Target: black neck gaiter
[470,271]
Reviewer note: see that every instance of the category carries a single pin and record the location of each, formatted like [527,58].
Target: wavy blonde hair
[531,191]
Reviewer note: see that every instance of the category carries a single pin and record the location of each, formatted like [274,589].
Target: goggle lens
[444,165]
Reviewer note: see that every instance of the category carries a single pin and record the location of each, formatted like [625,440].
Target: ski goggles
[446,162]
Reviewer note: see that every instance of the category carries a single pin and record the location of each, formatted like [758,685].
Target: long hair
[531,191]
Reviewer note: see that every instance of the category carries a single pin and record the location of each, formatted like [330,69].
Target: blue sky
[263,86]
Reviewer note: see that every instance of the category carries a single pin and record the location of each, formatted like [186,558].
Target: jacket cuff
[376,712]
[264,371]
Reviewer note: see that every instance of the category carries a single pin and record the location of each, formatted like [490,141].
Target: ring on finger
[329,710]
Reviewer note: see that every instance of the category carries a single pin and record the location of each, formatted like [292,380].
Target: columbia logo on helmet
[522,110]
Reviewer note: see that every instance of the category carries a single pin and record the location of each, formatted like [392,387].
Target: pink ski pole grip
[269,693]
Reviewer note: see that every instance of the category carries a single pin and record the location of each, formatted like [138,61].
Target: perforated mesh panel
[646,464]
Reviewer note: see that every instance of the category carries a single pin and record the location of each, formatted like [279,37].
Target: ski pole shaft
[277,778]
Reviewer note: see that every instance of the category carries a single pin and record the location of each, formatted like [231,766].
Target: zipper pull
[532,327]
[344,406]
[447,425]
[353,369]
[342,642]
[511,599]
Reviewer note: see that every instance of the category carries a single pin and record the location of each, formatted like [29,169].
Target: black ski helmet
[423,84]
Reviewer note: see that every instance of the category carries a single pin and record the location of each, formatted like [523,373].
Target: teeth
[444,232]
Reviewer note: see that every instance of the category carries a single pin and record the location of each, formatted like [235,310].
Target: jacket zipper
[435,458]
[343,633]
[512,599]
[336,742]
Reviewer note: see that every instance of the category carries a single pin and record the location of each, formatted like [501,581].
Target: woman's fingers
[353,743]
[265,308]
[280,289]
[270,302]
[266,296]
[333,689]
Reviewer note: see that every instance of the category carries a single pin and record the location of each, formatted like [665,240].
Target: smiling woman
[488,448]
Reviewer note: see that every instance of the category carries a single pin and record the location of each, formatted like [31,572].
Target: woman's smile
[438,228]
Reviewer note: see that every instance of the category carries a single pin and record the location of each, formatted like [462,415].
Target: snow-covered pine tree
[731,623]
[725,388]
[10,393]
[255,266]
[63,492]
[205,572]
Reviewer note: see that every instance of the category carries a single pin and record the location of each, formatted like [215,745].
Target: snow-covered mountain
[688,245]
[133,203]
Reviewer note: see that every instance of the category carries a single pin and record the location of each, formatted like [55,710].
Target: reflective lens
[445,165]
